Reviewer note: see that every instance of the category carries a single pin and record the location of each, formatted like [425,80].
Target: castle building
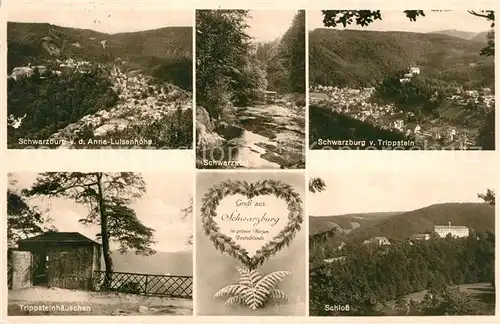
[378,241]
[455,231]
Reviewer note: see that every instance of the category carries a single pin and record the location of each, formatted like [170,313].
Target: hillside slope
[151,50]
[478,216]
[347,222]
[456,33]
[363,58]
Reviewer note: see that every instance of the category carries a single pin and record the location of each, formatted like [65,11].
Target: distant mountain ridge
[480,217]
[461,34]
[354,58]
[36,42]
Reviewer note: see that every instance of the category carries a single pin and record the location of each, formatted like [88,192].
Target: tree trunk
[108,262]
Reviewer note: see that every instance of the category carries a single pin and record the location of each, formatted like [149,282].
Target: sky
[267,25]
[160,209]
[110,22]
[383,189]
[397,21]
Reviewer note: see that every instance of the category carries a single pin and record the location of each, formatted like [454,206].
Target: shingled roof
[59,237]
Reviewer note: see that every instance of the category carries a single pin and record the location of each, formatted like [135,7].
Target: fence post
[146,286]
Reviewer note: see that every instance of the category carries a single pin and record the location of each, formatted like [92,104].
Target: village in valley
[141,100]
[359,104]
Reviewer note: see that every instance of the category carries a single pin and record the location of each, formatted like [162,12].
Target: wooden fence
[139,283]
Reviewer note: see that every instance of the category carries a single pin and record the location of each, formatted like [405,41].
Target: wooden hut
[63,259]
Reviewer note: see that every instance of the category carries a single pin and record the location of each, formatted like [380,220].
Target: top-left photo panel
[97,79]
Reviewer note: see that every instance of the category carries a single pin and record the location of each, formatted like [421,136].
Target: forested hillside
[351,58]
[480,217]
[161,52]
[370,277]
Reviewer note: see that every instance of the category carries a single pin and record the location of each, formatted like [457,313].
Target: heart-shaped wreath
[226,244]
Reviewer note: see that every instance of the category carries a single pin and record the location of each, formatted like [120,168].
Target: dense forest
[284,59]
[350,58]
[368,277]
[53,102]
[164,53]
[232,70]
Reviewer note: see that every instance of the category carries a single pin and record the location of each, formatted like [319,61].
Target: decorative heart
[271,241]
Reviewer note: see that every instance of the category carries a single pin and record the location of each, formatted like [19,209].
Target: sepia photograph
[96,79]
[100,243]
[419,241]
[401,80]
[250,89]
[250,246]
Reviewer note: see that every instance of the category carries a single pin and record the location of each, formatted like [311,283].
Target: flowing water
[267,136]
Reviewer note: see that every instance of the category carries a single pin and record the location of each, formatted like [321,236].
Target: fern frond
[254,277]
[278,294]
[234,300]
[236,290]
[271,280]
[244,277]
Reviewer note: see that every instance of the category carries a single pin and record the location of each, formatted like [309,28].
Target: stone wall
[22,269]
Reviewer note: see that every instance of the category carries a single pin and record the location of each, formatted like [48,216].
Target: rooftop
[59,237]
[450,227]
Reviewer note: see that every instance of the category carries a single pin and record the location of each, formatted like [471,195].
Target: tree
[402,305]
[23,220]
[222,45]
[293,48]
[316,185]
[187,214]
[363,18]
[488,197]
[486,136]
[107,196]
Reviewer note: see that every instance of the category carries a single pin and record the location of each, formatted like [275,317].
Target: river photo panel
[250,89]
[401,80]
[90,79]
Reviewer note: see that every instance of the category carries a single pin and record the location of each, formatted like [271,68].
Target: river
[266,137]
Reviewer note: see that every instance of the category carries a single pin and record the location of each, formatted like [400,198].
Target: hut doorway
[40,269]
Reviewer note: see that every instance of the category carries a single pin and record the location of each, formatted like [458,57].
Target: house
[382,240]
[331,260]
[58,259]
[414,70]
[42,69]
[22,72]
[421,237]
[455,231]
[341,246]
[270,95]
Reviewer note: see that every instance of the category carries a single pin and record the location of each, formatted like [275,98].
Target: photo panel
[250,246]
[405,241]
[401,80]
[99,79]
[250,89]
[100,243]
